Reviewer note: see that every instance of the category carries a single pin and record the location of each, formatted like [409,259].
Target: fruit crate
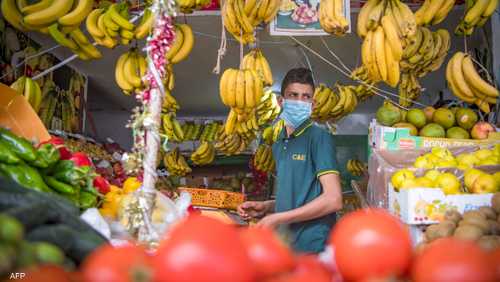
[214,198]
[394,139]
[428,205]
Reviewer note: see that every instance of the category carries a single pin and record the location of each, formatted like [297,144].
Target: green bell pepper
[20,146]
[59,186]
[87,200]
[7,156]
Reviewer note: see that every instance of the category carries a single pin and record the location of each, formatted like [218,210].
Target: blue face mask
[294,112]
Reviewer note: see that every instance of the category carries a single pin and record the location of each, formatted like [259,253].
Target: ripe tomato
[454,260]
[202,249]
[117,264]
[269,255]
[371,243]
[46,273]
[308,268]
[495,260]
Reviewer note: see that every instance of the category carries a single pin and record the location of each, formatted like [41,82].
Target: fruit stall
[131,132]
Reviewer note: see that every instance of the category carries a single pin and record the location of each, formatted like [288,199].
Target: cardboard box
[393,139]
[17,115]
[428,205]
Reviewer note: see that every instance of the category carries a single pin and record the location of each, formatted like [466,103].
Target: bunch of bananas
[256,61]
[231,144]
[240,17]
[271,133]
[172,128]
[329,105]
[263,158]
[209,131]
[76,41]
[109,24]
[384,24]
[409,89]
[247,128]
[182,45]
[466,83]
[49,104]
[170,104]
[188,6]
[433,12]
[40,15]
[356,167]
[191,131]
[175,163]
[204,154]
[30,90]
[331,17]
[241,90]
[477,14]
[363,90]
[427,52]
[268,108]
[69,117]
[129,71]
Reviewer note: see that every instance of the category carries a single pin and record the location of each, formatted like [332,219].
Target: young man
[308,184]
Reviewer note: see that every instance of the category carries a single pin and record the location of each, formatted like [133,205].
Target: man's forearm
[317,208]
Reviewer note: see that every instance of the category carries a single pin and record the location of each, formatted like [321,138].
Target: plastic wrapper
[94,219]
[383,164]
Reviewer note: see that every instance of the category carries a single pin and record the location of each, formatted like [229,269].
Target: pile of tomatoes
[369,245]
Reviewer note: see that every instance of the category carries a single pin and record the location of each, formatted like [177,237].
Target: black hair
[297,75]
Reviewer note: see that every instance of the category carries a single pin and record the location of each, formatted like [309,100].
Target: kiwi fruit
[495,202]
[494,227]
[453,215]
[431,233]
[473,214]
[489,212]
[489,243]
[468,232]
[481,223]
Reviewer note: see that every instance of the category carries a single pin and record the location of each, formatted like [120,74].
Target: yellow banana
[119,74]
[91,23]
[392,37]
[146,24]
[78,14]
[267,75]
[38,6]
[61,38]
[115,15]
[52,13]
[230,122]
[443,11]
[378,42]
[187,44]
[131,70]
[12,15]
[231,87]
[250,100]
[240,90]
[474,79]
[476,11]
[392,66]
[363,17]
[450,77]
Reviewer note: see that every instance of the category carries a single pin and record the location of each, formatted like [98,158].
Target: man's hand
[272,221]
[252,209]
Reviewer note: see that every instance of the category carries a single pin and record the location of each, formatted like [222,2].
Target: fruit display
[466,83]
[442,157]
[204,154]
[476,15]
[433,12]
[256,61]
[331,17]
[420,56]
[172,128]
[209,131]
[175,163]
[129,70]
[356,167]
[268,108]
[231,144]
[241,17]
[29,89]
[454,123]
[182,45]
[384,25]
[241,90]
[263,159]
[332,106]
[480,226]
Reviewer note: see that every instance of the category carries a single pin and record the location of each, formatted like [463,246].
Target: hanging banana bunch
[466,83]
[210,131]
[129,71]
[256,61]
[477,14]
[231,144]
[241,90]
[175,163]
[30,90]
[356,167]
[268,108]
[331,17]
[433,12]
[188,6]
[263,158]
[364,89]
[271,133]
[172,128]
[182,45]
[170,104]
[204,154]
[409,89]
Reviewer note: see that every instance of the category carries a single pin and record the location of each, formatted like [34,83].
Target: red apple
[481,130]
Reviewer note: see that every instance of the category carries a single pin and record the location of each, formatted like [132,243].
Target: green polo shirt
[300,160]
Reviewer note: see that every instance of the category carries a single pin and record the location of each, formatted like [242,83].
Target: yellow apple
[485,183]
[496,150]
[449,183]
[497,177]
[442,153]
[409,183]
[423,162]
[446,163]
[470,176]
[491,160]
[483,153]
[469,160]
[424,182]
[433,159]
[400,176]
[432,175]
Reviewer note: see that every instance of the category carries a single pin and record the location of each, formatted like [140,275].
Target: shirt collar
[298,131]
